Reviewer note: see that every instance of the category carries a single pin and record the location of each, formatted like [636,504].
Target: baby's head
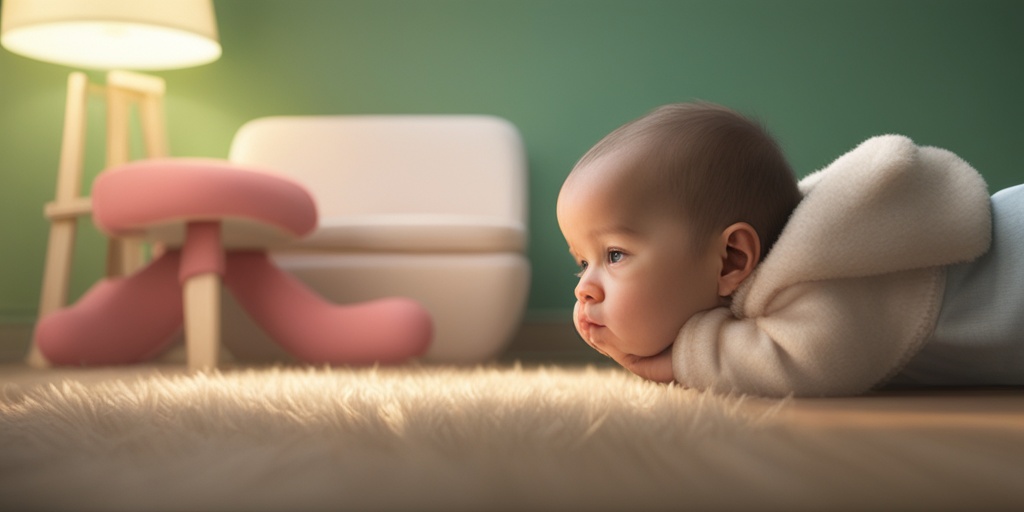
[666,216]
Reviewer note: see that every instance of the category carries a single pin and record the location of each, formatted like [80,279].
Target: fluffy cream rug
[488,438]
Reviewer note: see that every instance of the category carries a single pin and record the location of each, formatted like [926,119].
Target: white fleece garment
[852,288]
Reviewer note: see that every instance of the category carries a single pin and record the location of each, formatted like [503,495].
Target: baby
[703,261]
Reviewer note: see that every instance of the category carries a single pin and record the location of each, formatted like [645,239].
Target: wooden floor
[949,408]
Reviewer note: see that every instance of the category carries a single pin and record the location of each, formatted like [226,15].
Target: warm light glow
[112,34]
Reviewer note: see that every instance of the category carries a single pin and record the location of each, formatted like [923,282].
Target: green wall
[823,74]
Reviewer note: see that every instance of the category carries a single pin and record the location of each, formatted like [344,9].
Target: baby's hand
[657,368]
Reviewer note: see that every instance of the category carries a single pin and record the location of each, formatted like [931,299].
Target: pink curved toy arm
[118,321]
[387,330]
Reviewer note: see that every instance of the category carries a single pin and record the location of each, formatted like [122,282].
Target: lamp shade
[112,34]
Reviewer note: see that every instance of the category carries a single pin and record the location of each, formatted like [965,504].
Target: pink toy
[223,217]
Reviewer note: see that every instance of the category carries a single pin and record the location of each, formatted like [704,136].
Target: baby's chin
[642,349]
[592,339]
[603,340]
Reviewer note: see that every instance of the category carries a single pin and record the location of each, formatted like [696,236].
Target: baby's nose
[588,291]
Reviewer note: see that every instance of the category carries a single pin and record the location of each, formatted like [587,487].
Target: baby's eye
[583,268]
[615,256]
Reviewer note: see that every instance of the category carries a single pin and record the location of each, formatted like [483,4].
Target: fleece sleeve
[831,338]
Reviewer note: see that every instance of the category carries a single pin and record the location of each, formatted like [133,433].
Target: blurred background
[822,75]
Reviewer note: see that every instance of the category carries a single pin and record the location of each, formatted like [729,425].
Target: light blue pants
[979,337]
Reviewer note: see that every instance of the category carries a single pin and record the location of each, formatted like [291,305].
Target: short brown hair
[720,167]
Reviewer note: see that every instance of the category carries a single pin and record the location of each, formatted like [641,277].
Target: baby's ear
[741,252]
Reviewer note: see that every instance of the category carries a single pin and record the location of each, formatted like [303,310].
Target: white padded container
[428,207]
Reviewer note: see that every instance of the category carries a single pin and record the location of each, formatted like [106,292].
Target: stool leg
[202,264]
[202,320]
[390,330]
[119,320]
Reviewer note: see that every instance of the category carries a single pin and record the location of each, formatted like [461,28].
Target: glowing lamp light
[112,34]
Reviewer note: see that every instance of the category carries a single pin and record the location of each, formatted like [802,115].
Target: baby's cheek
[649,330]
[576,317]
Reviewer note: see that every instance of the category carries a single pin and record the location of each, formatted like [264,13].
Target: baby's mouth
[586,320]
[587,332]
[587,326]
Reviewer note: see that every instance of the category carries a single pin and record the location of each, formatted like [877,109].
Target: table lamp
[112,35]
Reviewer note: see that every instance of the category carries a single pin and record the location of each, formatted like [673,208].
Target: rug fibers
[438,438]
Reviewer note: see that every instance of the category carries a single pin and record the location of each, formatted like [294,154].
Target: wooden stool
[217,219]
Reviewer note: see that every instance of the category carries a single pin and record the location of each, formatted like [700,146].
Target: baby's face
[640,277]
